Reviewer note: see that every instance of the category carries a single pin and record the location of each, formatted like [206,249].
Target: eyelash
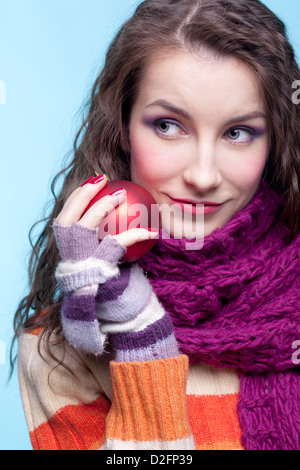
[252,132]
[164,121]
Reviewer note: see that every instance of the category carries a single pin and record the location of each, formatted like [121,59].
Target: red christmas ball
[138,210]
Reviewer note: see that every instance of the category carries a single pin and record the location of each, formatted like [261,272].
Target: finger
[134,235]
[78,201]
[94,216]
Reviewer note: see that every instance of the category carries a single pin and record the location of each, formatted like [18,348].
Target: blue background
[51,52]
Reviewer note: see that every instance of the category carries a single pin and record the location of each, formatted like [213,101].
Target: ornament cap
[106,176]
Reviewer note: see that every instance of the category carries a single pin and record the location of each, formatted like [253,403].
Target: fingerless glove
[107,301]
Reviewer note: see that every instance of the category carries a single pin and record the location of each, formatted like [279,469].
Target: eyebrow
[181,112]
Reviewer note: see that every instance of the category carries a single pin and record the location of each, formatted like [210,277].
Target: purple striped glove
[106,300]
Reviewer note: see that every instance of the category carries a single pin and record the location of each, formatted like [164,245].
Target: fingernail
[118,192]
[152,230]
[97,179]
[88,180]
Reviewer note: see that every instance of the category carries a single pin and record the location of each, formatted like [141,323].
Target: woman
[185,349]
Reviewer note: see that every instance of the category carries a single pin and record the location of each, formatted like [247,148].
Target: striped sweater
[125,386]
[98,403]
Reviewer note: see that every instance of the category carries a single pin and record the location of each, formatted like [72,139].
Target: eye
[241,135]
[168,129]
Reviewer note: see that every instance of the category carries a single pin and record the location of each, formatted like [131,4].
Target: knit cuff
[150,392]
[76,242]
[156,341]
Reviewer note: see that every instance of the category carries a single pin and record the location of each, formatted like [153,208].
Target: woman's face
[198,132]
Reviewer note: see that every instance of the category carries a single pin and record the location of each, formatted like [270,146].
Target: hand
[87,264]
[79,200]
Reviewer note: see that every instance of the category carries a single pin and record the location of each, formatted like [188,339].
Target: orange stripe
[214,421]
[161,385]
[36,332]
[74,427]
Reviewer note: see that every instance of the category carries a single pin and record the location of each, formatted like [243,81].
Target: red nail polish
[88,180]
[118,192]
[98,179]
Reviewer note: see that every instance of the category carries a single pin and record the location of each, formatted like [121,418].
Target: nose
[202,168]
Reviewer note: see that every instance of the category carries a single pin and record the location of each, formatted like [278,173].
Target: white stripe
[204,379]
[70,267]
[153,312]
[181,444]
[91,289]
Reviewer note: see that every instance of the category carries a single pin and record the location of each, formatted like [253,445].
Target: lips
[193,207]
[192,201]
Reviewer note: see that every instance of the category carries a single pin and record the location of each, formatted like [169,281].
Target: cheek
[247,172]
[149,162]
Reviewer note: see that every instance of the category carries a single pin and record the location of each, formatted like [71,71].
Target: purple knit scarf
[236,303]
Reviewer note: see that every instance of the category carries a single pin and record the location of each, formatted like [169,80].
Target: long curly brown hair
[246,30]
